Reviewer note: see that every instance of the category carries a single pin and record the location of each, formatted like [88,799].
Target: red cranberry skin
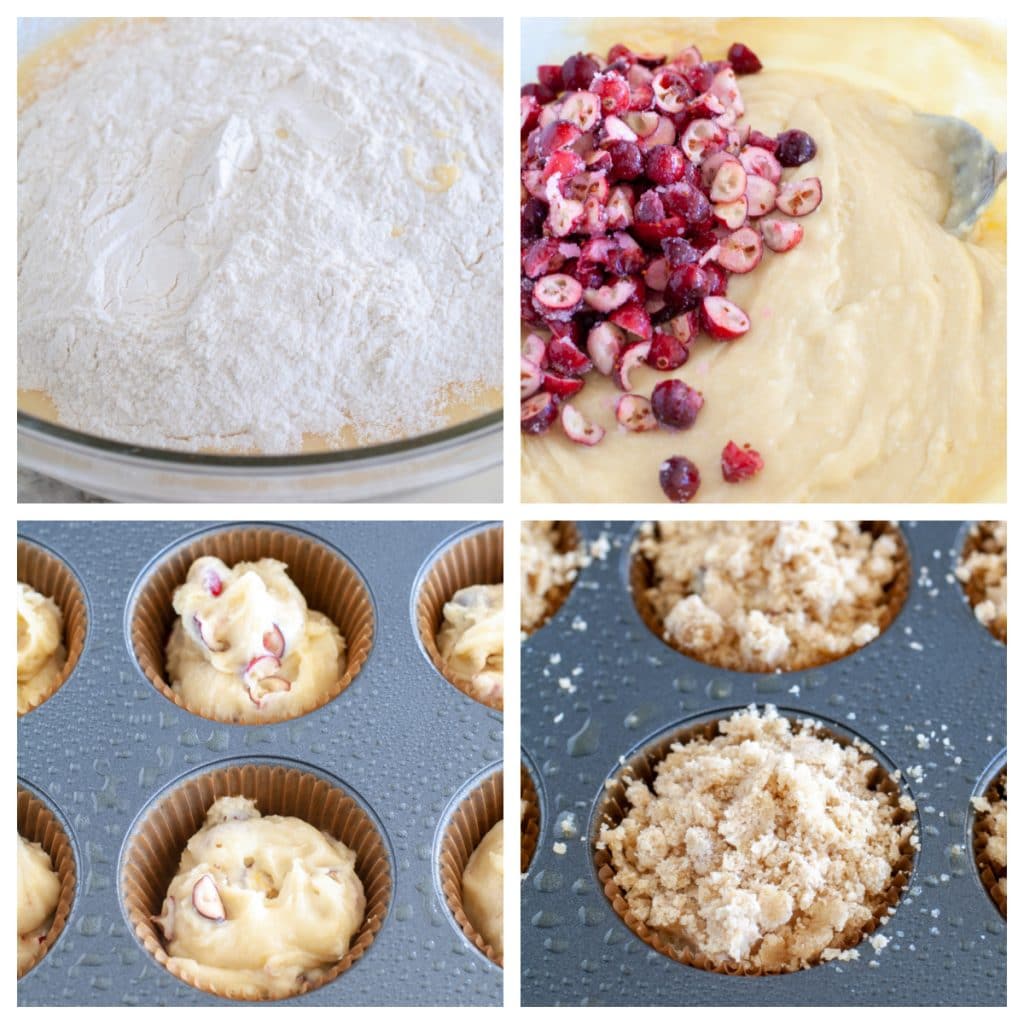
[718,278]
[649,208]
[665,165]
[531,218]
[679,478]
[687,286]
[794,148]
[687,201]
[534,89]
[740,464]
[667,352]
[679,252]
[620,52]
[627,161]
[743,60]
[578,72]
[762,141]
[550,78]
[676,404]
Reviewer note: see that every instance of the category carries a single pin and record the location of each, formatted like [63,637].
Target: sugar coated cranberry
[740,463]
[687,286]
[794,148]
[578,71]
[743,59]
[665,165]
[679,478]
[627,160]
[667,352]
[676,404]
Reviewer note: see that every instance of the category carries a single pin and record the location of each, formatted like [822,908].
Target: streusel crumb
[544,569]
[992,825]
[760,596]
[982,571]
[762,847]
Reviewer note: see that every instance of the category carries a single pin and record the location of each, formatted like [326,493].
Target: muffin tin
[400,741]
[929,695]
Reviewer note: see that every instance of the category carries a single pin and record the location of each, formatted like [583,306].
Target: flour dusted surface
[233,233]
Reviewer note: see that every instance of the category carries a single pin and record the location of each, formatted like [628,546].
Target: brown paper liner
[46,573]
[529,826]
[38,824]
[329,584]
[614,806]
[154,849]
[990,873]
[977,537]
[478,813]
[476,558]
[641,579]
[568,540]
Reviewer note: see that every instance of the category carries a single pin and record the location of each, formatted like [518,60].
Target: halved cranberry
[741,251]
[633,319]
[604,345]
[619,208]
[649,208]
[579,429]
[557,292]
[688,58]
[644,122]
[529,111]
[687,286]
[718,279]
[641,96]
[676,404]
[679,478]
[656,274]
[613,91]
[578,71]
[759,161]
[530,377]
[730,182]
[213,583]
[557,135]
[564,162]
[627,160]
[538,91]
[542,256]
[684,326]
[732,215]
[535,349]
[699,77]
[701,138]
[634,412]
[565,358]
[561,386]
[740,463]
[536,414]
[671,91]
[614,129]
[781,235]
[725,87]
[628,361]
[273,641]
[762,141]
[795,147]
[583,109]
[723,319]
[743,59]
[610,296]
[667,352]
[761,195]
[799,198]
[665,165]
[621,52]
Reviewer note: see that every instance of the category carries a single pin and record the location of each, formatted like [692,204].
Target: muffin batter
[260,907]
[544,568]
[246,648]
[472,640]
[982,571]
[482,887]
[41,652]
[38,895]
[844,381]
[764,847]
[761,596]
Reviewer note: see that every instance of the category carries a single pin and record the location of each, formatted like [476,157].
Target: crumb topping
[982,571]
[544,569]
[765,846]
[760,596]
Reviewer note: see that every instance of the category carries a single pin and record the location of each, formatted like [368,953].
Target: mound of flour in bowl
[234,233]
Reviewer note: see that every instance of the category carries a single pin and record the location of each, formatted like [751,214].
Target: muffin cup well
[990,873]
[38,824]
[473,558]
[471,820]
[613,806]
[153,849]
[568,540]
[529,826]
[641,579]
[44,572]
[327,581]
[976,538]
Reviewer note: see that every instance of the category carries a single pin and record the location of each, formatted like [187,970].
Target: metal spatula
[976,169]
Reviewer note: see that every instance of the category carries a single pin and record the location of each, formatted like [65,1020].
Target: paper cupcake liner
[475,558]
[327,581]
[38,824]
[475,816]
[990,873]
[975,540]
[529,825]
[613,807]
[44,572]
[153,851]
[568,540]
[641,578]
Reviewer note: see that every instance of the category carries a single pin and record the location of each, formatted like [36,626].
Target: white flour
[234,232]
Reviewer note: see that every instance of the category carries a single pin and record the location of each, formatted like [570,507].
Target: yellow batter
[875,368]
[41,653]
[246,648]
[482,887]
[260,906]
[472,640]
[38,895]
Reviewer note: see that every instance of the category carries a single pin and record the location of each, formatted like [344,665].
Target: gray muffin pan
[400,739]
[929,695]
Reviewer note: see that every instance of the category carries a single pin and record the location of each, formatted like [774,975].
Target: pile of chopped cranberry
[642,192]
